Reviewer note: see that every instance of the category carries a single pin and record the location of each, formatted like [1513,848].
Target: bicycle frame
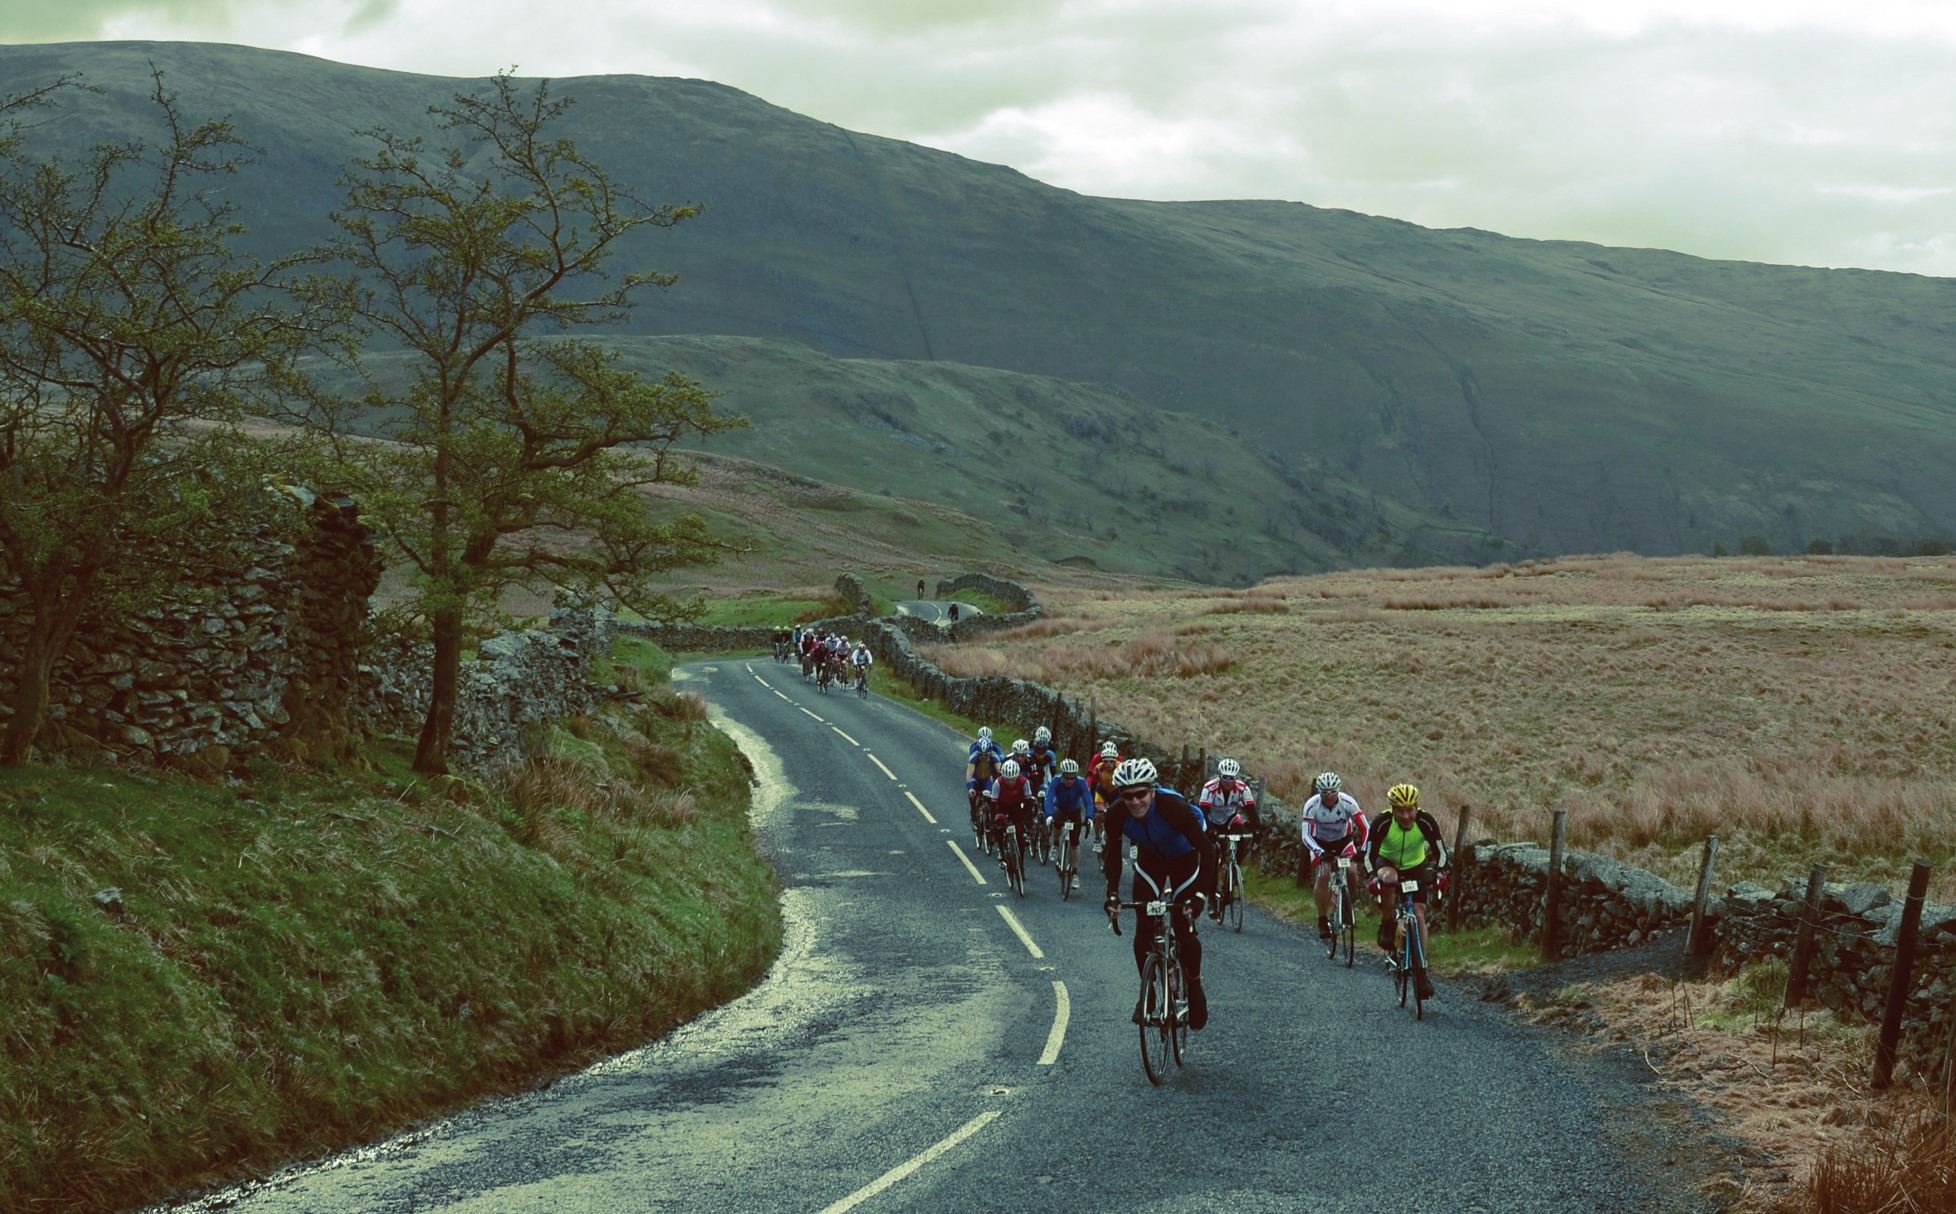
[1407,962]
[1164,990]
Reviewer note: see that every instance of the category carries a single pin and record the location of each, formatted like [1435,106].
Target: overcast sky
[1812,132]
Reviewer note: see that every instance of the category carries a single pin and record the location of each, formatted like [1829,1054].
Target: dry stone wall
[265,622]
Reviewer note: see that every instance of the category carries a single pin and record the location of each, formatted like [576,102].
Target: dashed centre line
[879,763]
[845,737]
[904,1169]
[969,866]
[803,711]
[918,804]
[1060,1017]
[1018,929]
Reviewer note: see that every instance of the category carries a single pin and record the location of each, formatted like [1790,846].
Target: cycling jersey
[1404,848]
[1100,772]
[1322,823]
[1223,806]
[1012,796]
[984,759]
[1063,798]
[862,657]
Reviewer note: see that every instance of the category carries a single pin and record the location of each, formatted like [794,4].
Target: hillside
[1556,396]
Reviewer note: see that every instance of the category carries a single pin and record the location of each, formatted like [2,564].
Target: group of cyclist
[1174,839]
[825,655]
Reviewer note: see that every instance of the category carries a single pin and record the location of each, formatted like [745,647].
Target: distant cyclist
[1333,825]
[862,659]
[1229,801]
[1069,798]
[1011,805]
[1044,758]
[1174,860]
[1100,773]
[1406,845]
[981,764]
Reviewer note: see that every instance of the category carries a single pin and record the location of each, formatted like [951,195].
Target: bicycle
[862,682]
[1342,928]
[1229,886]
[1066,858]
[1013,856]
[980,828]
[1407,962]
[824,675]
[1042,840]
[1164,991]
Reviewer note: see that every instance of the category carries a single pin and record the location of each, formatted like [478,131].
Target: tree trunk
[431,756]
[35,666]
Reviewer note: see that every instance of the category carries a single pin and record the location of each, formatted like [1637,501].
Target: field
[1800,708]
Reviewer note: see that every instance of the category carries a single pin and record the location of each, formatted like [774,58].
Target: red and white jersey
[1011,796]
[1336,819]
[1222,804]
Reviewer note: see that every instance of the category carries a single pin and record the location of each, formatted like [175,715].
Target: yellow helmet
[1402,796]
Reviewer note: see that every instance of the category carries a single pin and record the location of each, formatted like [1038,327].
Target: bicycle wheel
[1234,910]
[1416,961]
[1402,973]
[1015,865]
[1156,1011]
[1337,919]
[1064,865]
[1178,1026]
[1350,931]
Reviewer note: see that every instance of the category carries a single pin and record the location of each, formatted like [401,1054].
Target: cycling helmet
[1021,747]
[1110,751]
[1328,782]
[1042,734]
[1228,768]
[1009,769]
[1069,768]
[1133,773]
[1402,796]
[984,733]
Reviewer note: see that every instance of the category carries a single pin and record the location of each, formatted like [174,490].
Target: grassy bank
[202,980]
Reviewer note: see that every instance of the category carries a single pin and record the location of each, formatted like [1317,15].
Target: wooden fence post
[1698,942]
[1901,979]
[1457,904]
[1796,974]
[1201,768]
[1093,725]
[1949,1062]
[1552,900]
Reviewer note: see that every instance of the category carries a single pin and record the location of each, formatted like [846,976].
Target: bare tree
[518,455]
[132,333]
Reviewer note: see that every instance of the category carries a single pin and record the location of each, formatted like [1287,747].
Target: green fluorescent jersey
[1402,849]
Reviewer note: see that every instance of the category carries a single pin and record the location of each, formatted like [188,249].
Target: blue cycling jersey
[1062,798]
[1155,834]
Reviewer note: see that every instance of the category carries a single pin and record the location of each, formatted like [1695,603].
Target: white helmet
[1069,768]
[984,733]
[1110,751]
[1228,768]
[1021,747]
[1135,772]
[1009,769]
[1042,734]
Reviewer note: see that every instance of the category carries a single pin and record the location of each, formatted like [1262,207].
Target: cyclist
[1044,758]
[811,644]
[1333,825]
[1012,802]
[980,765]
[1406,844]
[1175,859]
[1229,801]
[1230,807]
[1100,773]
[862,659]
[1069,799]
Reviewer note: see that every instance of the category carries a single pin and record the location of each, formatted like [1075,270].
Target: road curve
[928,1041]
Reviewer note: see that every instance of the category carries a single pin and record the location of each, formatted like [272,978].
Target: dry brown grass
[1763,696]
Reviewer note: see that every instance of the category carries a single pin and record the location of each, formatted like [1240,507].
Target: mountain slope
[1562,396]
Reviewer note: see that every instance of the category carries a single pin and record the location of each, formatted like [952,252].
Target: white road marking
[976,875]
[902,1170]
[846,737]
[758,679]
[1060,1018]
[918,804]
[779,694]
[811,715]
[886,771]
[1018,929]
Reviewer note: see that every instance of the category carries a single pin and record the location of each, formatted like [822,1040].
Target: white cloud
[1799,131]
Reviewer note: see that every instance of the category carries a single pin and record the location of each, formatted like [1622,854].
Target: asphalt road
[916,1048]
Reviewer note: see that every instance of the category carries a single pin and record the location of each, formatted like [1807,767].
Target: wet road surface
[914,1048]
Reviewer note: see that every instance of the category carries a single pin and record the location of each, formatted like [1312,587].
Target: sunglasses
[1134,795]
